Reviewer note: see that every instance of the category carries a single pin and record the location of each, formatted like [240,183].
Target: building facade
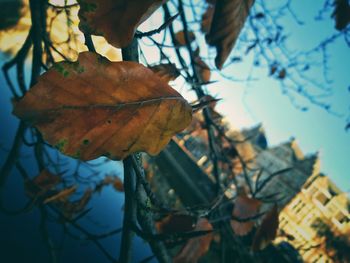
[285,176]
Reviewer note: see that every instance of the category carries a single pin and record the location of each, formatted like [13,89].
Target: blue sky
[315,129]
[261,101]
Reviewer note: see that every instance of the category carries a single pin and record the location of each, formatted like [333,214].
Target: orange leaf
[61,196]
[116,20]
[196,247]
[176,223]
[180,37]
[166,72]
[227,23]
[244,207]
[95,107]
[267,230]
[41,184]
[203,70]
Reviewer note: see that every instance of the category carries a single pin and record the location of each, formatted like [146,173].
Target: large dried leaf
[42,184]
[176,223]
[244,208]
[95,107]
[196,247]
[166,72]
[227,23]
[267,230]
[116,20]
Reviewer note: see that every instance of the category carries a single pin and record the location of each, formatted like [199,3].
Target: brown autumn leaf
[116,20]
[95,107]
[207,17]
[267,231]
[203,70]
[166,72]
[180,37]
[62,195]
[42,184]
[176,223]
[245,207]
[196,247]
[227,23]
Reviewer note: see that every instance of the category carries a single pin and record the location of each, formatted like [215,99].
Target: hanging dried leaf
[267,230]
[341,14]
[282,74]
[207,17]
[180,37]
[203,70]
[228,20]
[244,208]
[176,223]
[42,184]
[273,69]
[116,20]
[61,196]
[196,247]
[118,184]
[166,72]
[95,107]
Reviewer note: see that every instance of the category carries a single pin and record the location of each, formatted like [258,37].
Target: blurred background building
[314,213]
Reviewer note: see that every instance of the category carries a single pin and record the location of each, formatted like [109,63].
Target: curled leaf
[244,208]
[166,72]
[61,196]
[118,184]
[95,107]
[196,247]
[227,23]
[267,231]
[116,20]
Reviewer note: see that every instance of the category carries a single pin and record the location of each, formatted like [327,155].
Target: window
[341,218]
[322,198]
